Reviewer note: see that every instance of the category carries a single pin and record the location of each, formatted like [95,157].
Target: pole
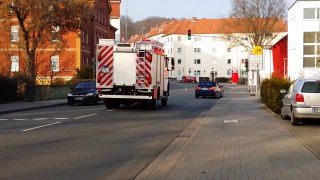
[126,20]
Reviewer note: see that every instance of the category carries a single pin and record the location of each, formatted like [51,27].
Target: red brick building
[79,50]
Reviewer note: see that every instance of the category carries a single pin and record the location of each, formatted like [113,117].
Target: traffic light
[246,64]
[189,34]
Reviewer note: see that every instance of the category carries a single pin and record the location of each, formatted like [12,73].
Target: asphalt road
[90,142]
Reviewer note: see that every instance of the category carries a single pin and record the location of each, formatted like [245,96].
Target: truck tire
[153,104]
[164,102]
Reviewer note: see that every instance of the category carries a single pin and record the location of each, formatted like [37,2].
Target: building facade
[79,48]
[208,53]
[304,39]
[115,17]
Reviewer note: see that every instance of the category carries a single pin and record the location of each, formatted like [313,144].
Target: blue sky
[141,9]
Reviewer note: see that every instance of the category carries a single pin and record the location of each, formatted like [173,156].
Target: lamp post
[142,32]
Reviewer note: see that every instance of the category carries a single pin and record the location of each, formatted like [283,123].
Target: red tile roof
[213,26]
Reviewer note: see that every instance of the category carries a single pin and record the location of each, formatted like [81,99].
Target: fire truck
[127,73]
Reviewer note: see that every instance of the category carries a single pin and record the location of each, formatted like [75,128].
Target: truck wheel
[164,102]
[153,104]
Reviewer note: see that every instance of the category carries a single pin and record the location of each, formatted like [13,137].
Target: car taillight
[211,89]
[198,88]
[299,98]
[149,79]
[99,78]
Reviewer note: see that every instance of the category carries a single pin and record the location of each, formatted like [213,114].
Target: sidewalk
[237,139]
[23,106]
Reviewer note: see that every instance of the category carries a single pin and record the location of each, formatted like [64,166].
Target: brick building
[79,49]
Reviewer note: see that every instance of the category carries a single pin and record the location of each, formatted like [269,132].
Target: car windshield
[311,87]
[85,85]
[207,84]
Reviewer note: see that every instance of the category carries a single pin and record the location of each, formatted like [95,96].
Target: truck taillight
[149,79]
[99,78]
[99,57]
[99,89]
[299,98]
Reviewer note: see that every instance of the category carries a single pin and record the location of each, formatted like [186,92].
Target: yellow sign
[257,50]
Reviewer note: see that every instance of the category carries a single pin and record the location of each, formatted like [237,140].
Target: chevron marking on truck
[106,53]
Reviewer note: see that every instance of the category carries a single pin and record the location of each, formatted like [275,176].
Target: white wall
[116,23]
[296,27]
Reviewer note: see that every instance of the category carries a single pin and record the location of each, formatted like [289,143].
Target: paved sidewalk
[23,106]
[237,139]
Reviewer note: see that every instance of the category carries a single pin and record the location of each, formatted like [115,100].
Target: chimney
[193,19]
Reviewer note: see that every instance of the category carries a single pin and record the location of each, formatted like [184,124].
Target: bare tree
[37,19]
[258,20]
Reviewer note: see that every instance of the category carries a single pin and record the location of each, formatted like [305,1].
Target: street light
[142,32]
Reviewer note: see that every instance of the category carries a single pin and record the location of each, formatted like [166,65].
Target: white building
[207,54]
[115,17]
[304,39]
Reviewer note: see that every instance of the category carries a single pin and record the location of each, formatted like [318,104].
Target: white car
[302,100]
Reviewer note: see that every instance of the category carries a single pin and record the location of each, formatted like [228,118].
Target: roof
[210,26]
[301,0]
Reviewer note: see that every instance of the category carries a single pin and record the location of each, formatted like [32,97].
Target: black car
[209,88]
[84,92]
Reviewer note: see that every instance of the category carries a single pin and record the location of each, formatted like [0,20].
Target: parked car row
[302,100]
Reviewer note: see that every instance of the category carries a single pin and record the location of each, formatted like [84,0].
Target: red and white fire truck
[132,72]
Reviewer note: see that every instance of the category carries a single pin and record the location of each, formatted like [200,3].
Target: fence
[46,92]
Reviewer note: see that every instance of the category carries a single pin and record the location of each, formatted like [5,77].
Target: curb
[32,108]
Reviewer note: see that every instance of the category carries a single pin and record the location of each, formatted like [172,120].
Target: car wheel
[70,103]
[96,101]
[197,96]
[283,114]
[294,120]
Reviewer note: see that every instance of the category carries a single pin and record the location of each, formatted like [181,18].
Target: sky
[141,9]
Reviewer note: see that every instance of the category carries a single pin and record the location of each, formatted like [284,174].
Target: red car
[188,79]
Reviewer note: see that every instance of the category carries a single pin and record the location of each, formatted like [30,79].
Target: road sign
[257,50]
[255,62]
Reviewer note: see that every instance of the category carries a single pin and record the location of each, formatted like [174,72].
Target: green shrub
[86,72]
[270,93]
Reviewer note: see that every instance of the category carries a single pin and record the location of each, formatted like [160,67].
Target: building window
[197,72]
[311,49]
[229,49]
[311,13]
[197,61]
[179,50]
[55,33]
[55,63]
[214,50]
[179,61]
[197,50]
[14,63]
[179,38]
[197,38]
[229,61]
[14,34]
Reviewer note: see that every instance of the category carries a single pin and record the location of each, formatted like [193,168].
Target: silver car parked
[302,100]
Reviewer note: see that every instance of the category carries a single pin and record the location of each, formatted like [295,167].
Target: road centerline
[86,116]
[37,127]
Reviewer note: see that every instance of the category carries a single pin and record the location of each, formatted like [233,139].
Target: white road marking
[85,116]
[40,126]
[19,119]
[4,119]
[61,118]
[39,119]
[110,110]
